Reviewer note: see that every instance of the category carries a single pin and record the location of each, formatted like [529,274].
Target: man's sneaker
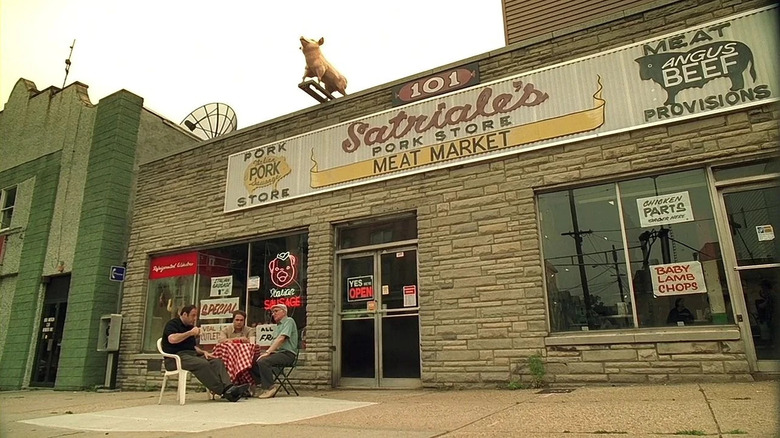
[270,392]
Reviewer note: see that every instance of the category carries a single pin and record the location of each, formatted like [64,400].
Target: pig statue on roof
[319,67]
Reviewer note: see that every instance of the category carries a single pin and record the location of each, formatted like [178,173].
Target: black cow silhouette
[651,66]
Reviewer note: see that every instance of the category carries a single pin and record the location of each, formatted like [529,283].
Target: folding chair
[282,373]
[179,372]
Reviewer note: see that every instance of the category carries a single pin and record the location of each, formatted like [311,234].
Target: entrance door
[753,214]
[47,355]
[380,327]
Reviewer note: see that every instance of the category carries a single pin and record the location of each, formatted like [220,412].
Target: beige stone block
[712,367]
[585,368]
[492,333]
[743,140]
[495,377]
[456,329]
[532,342]
[687,347]
[608,355]
[736,367]
[474,281]
[657,378]
[605,169]
[489,344]
[733,346]
[556,368]
[456,355]
[695,125]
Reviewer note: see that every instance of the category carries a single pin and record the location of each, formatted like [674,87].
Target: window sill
[685,334]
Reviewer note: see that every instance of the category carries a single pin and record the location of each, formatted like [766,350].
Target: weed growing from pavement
[536,365]
[689,432]
[610,432]
[735,432]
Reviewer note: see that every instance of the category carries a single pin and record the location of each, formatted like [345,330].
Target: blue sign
[117,273]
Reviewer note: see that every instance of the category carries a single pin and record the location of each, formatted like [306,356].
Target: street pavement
[709,409]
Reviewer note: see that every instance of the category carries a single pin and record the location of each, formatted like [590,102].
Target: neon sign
[283,269]
[284,275]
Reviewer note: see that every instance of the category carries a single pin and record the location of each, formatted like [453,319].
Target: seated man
[238,330]
[282,351]
[179,338]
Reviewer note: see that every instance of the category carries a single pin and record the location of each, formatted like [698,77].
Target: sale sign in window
[677,279]
[360,288]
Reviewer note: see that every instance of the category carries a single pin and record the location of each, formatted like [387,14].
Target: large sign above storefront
[714,67]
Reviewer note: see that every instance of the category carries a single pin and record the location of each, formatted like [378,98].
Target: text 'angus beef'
[677,71]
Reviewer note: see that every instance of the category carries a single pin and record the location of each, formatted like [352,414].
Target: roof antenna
[67,63]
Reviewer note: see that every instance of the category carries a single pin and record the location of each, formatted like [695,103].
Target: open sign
[360,288]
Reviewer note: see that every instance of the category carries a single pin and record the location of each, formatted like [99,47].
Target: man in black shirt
[179,338]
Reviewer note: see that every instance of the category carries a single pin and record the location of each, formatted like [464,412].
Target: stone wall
[481,295]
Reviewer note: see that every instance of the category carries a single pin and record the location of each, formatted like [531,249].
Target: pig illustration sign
[714,67]
[677,279]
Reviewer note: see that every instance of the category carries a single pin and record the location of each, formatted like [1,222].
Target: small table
[238,359]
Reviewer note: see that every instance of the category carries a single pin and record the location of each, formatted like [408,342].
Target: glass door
[47,354]
[380,328]
[753,213]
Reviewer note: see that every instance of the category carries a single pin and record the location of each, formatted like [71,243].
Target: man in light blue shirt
[282,351]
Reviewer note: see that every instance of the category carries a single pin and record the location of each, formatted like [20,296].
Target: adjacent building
[600,198]
[67,186]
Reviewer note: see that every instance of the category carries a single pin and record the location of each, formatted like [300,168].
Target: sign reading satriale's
[714,67]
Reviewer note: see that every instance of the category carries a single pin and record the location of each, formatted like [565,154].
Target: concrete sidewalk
[713,409]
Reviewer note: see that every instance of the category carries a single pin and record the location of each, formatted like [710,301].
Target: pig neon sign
[283,269]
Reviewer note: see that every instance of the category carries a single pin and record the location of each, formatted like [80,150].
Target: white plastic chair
[182,375]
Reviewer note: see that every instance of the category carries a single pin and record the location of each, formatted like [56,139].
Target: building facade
[602,202]
[67,177]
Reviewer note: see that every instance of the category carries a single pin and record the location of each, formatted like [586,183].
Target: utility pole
[617,273]
[67,63]
[577,235]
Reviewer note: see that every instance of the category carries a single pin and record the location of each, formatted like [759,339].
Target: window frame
[7,208]
[635,323]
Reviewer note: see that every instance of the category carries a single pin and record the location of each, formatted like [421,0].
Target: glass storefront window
[171,287]
[673,245]
[279,268]
[676,273]
[219,280]
[375,233]
[746,171]
[584,259]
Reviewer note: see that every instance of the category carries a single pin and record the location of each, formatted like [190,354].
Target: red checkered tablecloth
[238,359]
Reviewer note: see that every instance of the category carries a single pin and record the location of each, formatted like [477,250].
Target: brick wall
[480,271]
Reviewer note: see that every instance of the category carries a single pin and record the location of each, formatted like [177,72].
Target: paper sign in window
[410,296]
[677,279]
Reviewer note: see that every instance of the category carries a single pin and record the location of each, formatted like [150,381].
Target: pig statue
[319,67]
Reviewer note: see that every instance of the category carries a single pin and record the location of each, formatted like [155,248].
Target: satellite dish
[211,120]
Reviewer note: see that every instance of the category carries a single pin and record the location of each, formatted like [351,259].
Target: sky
[179,55]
